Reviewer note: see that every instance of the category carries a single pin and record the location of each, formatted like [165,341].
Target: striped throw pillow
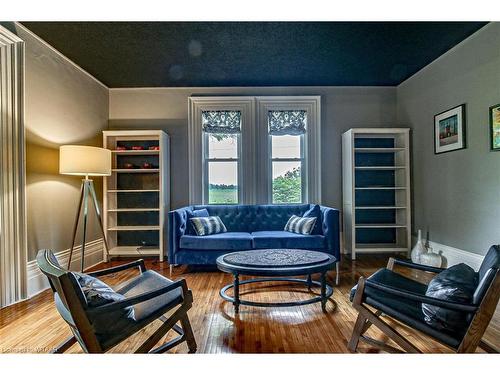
[205,226]
[300,225]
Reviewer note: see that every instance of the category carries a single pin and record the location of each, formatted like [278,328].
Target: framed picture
[449,130]
[495,127]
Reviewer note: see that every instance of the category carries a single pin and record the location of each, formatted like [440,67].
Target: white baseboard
[452,255]
[37,281]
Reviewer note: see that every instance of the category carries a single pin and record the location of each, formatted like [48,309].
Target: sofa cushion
[194,213]
[225,241]
[455,284]
[283,239]
[315,211]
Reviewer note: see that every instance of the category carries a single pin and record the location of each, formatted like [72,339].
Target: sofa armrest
[177,223]
[331,229]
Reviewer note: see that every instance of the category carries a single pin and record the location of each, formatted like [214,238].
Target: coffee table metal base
[326,292]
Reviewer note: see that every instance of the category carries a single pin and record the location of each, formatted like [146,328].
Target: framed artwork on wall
[495,127]
[449,130]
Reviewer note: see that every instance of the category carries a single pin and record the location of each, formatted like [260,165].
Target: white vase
[418,250]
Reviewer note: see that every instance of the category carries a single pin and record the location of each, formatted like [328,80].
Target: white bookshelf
[136,197]
[376,190]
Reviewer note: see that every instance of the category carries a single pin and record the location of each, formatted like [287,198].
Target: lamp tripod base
[87,192]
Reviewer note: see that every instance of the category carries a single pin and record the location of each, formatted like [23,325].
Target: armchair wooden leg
[162,330]
[356,332]
[65,345]
[387,330]
[188,333]
[487,347]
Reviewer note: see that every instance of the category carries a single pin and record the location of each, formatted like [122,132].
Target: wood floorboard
[34,326]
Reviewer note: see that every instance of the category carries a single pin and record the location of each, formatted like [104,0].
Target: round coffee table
[276,265]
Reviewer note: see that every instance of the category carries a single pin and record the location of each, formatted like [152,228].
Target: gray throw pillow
[98,293]
[455,284]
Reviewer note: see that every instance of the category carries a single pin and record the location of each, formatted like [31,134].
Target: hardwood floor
[34,326]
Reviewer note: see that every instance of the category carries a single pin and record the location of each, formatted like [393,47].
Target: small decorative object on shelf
[147,165]
[121,148]
[431,259]
[154,148]
[418,250]
[137,148]
[128,165]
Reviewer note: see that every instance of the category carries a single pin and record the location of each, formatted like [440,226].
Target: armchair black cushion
[455,284]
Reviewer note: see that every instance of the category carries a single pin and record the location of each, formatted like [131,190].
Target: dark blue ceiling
[173,54]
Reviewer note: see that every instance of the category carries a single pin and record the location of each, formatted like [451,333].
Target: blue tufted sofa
[249,227]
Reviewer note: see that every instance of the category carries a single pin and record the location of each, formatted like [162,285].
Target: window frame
[310,146]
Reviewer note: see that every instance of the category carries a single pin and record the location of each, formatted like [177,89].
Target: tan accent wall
[64,105]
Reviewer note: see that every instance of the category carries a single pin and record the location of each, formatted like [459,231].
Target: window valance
[226,122]
[287,122]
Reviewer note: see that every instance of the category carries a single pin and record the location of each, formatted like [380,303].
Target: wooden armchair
[389,293]
[149,295]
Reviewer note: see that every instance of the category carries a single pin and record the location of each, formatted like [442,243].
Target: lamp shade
[84,161]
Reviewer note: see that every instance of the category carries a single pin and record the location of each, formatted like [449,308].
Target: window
[287,132]
[250,150]
[221,155]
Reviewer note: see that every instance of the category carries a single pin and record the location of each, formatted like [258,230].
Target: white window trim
[246,174]
[254,183]
[312,144]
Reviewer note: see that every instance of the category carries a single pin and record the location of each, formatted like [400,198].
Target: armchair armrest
[138,263]
[141,298]
[410,264]
[421,298]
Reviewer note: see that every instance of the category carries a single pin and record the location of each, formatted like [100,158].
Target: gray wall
[456,194]
[63,105]
[341,109]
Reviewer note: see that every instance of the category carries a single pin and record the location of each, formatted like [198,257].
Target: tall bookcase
[137,194]
[376,190]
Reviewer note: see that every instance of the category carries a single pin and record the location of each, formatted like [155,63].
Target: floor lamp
[85,161]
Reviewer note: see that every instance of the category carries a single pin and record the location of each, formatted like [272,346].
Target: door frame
[13,234]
